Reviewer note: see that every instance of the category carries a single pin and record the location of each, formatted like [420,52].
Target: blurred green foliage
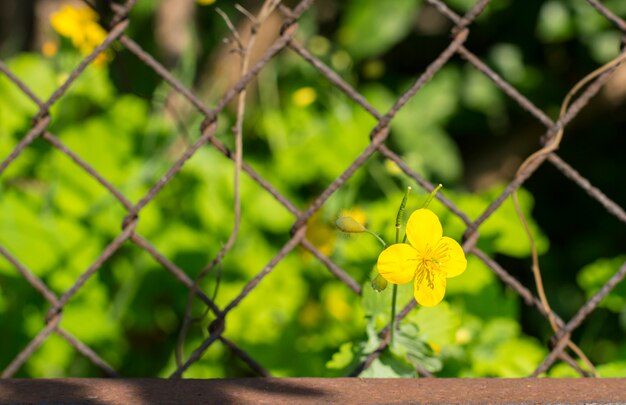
[300,320]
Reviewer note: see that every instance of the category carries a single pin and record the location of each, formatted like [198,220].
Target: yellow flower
[205,2]
[49,49]
[355,213]
[304,96]
[79,24]
[429,259]
[321,234]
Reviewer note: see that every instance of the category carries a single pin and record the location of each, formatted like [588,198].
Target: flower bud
[379,283]
[349,225]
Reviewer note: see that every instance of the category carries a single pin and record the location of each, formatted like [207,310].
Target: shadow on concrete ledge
[310,391]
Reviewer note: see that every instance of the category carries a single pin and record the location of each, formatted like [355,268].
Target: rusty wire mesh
[378,137]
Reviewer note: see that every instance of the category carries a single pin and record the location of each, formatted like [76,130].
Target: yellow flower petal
[423,229]
[304,96]
[397,263]
[320,234]
[63,21]
[429,287]
[94,34]
[69,20]
[454,262]
[79,24]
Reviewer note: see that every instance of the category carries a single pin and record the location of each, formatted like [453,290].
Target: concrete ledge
[310,391]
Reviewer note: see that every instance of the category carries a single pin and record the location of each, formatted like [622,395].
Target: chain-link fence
[377,145]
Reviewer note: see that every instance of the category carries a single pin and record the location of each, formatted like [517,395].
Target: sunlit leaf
[392,22]
[595,275]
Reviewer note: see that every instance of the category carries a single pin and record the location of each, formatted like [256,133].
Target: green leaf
[589,22]
[481,94]
[409,345]
[418,128]
[613,369]
[37,73]
[94,85]
[473,280]
[508,58]
[16,109]
[437,324]
[129,113]
[594,275]
[350,354]
[51,359]
[505,231]
[294,132]
[518,358]
[392,22]
[555,22]
[604,46]
[377,305]
[562,370]
[343,358]
[502,352]
[389,366]
[26,228]
[432,106]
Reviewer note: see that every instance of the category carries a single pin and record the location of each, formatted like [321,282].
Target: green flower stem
[377,237]
[432,195]
[400,215]
[394,294]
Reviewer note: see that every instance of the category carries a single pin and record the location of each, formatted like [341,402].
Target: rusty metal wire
[460,32]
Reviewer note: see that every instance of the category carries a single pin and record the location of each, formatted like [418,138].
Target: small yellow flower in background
[428,260]
[62,78]
[335,302]
[462,336]
[319,45]
[358,214]
[373,69]
[320,234]
[49,49]
[304,96]
[341,60]
[205,2]
[310,314]
[436,348]
[392,167]
[79,24]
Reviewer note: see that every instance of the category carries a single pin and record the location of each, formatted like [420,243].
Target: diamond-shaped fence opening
[246,243]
